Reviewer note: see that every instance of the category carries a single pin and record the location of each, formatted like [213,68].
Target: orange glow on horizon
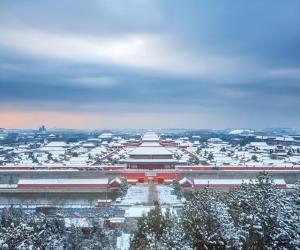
[16,119]
[19,119]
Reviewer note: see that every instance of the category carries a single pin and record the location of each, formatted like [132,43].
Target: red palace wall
[157,178]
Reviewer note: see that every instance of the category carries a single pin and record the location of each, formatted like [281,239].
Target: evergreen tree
[207,223]
[173,237]
[150,230]
[210,156]
[264,215]
[177,188]
[20,230]
[123,187]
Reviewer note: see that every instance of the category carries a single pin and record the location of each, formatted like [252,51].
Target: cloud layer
[161,64]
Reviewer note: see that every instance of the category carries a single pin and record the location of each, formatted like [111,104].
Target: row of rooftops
[150,136]
[149,147]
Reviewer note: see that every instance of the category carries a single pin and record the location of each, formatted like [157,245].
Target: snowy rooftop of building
[52,149]
[184,179]
[150,144]
[150,151]
[57,144]
[62,181]
[259,144]
[240,131]
[130,160]
[214,140]
[281,138]
[105,136]
[88,145]
[82,159]
[231,181]
[150,136]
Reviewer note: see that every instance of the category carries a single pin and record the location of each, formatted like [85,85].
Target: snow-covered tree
[264,215]
[296,197]
[150,230]
[123,187]
[210,156]
[207,223]
[177,188]
[173,237]
[22,231]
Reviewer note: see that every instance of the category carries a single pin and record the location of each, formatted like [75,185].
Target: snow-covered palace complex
[117,177]
[57,164]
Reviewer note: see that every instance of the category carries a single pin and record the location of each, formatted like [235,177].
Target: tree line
[252,216]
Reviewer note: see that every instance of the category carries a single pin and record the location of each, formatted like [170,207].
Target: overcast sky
[147,63]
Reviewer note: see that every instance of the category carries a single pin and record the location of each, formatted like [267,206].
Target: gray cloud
[238,64]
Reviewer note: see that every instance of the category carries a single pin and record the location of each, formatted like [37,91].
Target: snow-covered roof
[105,135]
[214,140]
[117,179]
[88,145]
[231,181]
[57,144]
[236,131]
[82,159]
[259,144]
[7,186]
[62,181]
[240,131]
[150,144]
[150,160]
[150,151]
[150,136]
[281,138]
[184,180]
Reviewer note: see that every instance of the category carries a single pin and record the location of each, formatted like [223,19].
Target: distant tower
[42,129]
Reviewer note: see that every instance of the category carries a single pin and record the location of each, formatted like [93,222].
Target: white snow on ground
[139,211]
[165,195]
[123,242]
[77,222]
[137,194]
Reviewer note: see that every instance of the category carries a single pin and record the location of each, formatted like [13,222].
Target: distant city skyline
[149,64]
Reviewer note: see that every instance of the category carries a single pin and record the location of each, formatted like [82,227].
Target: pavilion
[150,154]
